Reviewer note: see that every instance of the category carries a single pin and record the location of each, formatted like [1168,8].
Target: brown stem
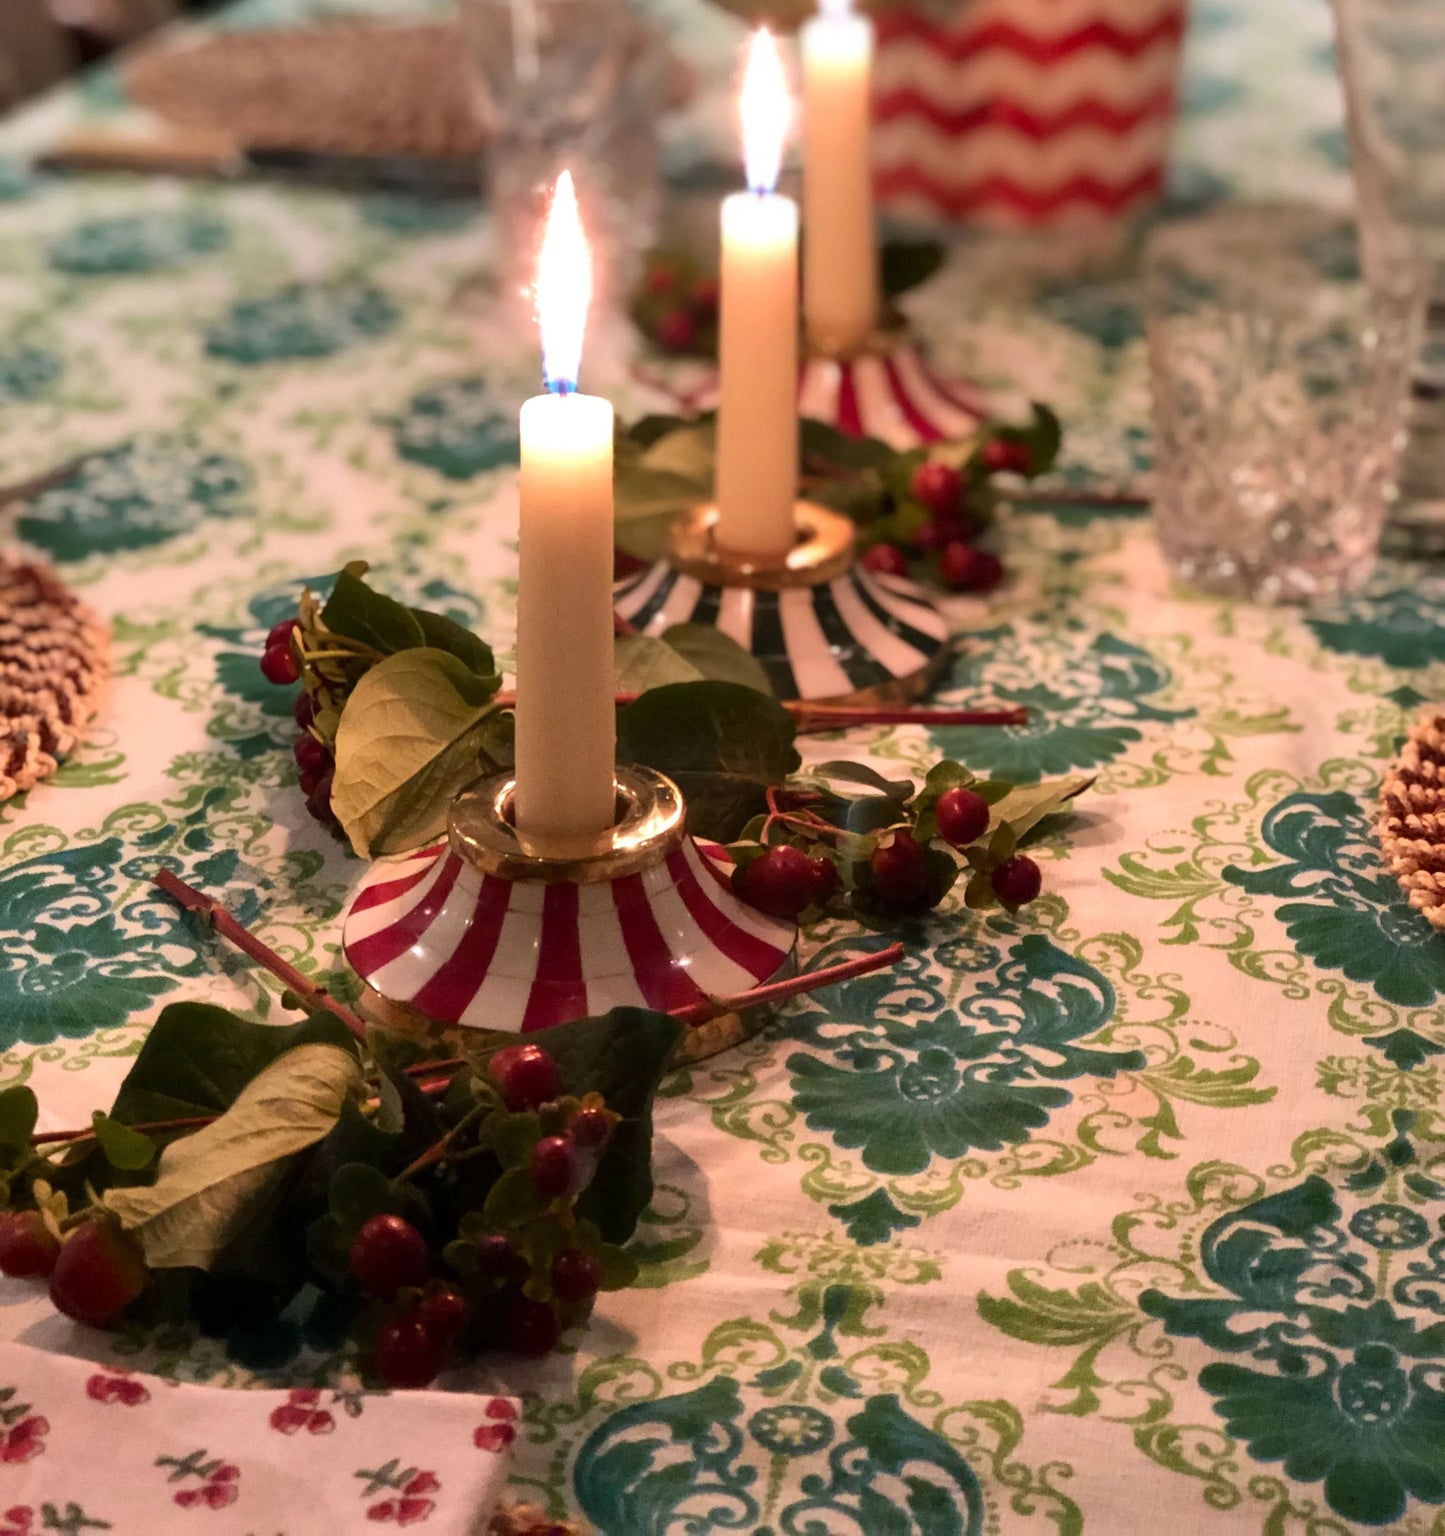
[217,917]
[794,986]
[834,717]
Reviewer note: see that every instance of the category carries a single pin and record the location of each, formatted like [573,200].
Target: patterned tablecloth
[1126,1215]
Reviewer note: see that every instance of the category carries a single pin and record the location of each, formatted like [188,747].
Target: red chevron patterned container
[1026,111]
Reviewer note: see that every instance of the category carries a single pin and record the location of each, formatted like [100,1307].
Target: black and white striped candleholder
[825,629]
[483,932]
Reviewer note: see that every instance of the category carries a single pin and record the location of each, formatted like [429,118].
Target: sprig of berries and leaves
[447,1206]
[921,512]
[841,839]
[425,722]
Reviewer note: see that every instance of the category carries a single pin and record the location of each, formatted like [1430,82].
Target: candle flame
[833,9]
[564,288]
[765,111]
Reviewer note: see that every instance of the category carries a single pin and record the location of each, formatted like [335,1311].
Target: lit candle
[757,432]
[566,724]
[840,275]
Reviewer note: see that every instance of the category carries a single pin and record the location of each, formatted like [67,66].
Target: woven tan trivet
[54,664]
[349,87]
[1411,824]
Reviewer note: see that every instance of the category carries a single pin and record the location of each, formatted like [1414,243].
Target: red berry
[28,1248]
[576,1274]
[962,816]
[822,879]
[624,564]
[779,882]
[966,569]
[704,297]
[677,331]
[303,711]
[443,1313]
[900,873]
[280,634]
[532,1329]
[310,755]
[938,486]
[407,1354]
[279,665]
[886,560]
[553,1166]
[497,1259]
[98,1272]
[389,1253]
[318,801]
[1001,455]
[1016,881]
[940,533]
[526,1076]
[660,280]
[590,1127]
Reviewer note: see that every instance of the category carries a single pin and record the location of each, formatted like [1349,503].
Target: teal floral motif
[458,429]
[400,215]
[26,373]
[1399,625]
[302,320]
[1085,701]
[90,943]
[1390,1227]
[1344,909]
[1343,1385]
[907,1082]
[16,181]
[134,496]
[138,242]
[687,1462]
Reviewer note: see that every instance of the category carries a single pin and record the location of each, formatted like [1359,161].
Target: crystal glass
[1392,58]
[575,85]
[1279,396]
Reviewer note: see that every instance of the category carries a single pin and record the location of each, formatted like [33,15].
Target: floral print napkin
[86,1448]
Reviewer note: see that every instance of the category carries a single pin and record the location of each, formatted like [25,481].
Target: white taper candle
[566,721]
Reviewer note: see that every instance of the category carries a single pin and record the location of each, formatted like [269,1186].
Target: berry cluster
[802,856]
[514,1289]
[94,1271]
[940,514]
[676,304]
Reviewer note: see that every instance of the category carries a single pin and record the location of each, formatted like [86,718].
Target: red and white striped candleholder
[825,629]
[480,932]
[888,390]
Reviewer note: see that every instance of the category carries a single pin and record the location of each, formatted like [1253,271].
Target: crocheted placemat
[1411,823]
[348,87]
[54,664]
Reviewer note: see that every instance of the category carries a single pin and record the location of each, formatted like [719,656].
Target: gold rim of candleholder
[823,551]
[650,824]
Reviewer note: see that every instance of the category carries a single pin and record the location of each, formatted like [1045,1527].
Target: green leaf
[621,1055]
[673,471]
[210,1182]
[128,1150]
[417,729]
[1003,844]
[619,1268]
[716,656]
[904,264]
[722,743]
[197,1058]
[978,894]
[643,662]
[512,1138]
[822,446]
[513,1200]
[689,452]
[647,430]
[1025,805]
[19,1111]
[357,612]
[439,633]
[358,1192]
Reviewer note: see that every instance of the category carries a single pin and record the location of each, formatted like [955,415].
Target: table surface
[1123,1215]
